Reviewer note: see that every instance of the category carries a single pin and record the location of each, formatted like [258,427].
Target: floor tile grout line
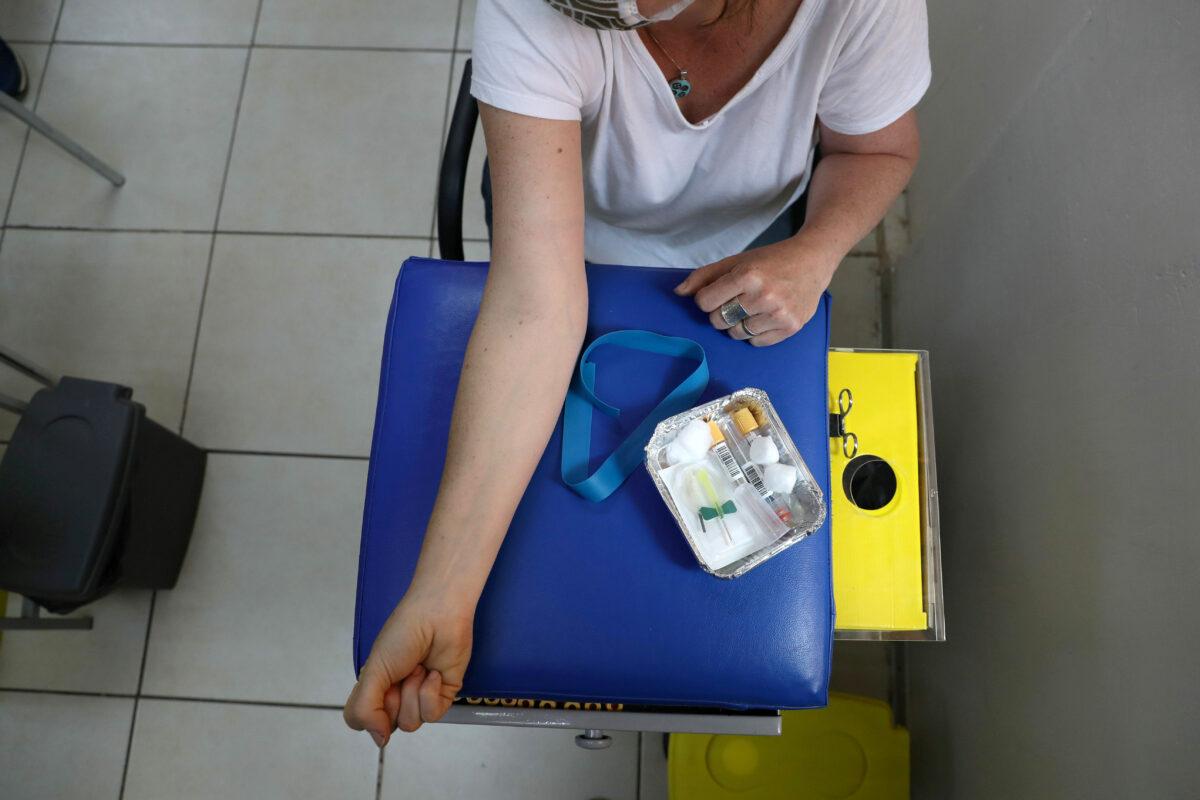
[37,98]
[254,28]
[146,642]
[638,776]
[137,694]
[212,245]
[312,234]
[886,286]
[415,238]
[226,233]
[69,692]
[349,48]
[133,712]
[221,451]
[159,45]
[450,93]
[359,48]
[175,698]
[285,454]
[379,776]
[191,367]
[242,702]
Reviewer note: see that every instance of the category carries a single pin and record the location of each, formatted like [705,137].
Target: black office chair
[453,176]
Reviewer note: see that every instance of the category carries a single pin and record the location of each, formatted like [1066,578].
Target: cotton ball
[764,451]
[678,454]
[780,478]
[695,438]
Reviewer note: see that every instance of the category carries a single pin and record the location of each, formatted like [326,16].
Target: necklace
[681,87]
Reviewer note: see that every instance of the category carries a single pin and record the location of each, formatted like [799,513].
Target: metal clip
[837,424]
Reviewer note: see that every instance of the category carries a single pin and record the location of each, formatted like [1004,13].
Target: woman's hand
[779,285]
[415,668]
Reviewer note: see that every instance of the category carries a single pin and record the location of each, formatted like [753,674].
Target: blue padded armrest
[601,601]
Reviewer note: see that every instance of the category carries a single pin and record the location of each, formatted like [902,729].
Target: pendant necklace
[681,87]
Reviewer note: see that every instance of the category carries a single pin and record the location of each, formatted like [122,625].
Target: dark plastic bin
[94,495]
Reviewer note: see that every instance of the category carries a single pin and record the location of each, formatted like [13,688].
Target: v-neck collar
[772,63]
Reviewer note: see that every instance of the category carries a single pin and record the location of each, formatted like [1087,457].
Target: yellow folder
[877,578]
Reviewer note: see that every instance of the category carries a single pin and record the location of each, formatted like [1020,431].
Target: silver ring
[746,330]
[733,313]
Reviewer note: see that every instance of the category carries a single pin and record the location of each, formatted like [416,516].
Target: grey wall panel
[1058,288]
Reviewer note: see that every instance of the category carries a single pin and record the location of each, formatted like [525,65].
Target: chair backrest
[453,177]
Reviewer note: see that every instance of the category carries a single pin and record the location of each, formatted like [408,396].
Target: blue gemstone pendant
[681,87]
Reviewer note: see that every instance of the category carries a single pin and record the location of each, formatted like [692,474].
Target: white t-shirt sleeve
[882,70]
[530,59]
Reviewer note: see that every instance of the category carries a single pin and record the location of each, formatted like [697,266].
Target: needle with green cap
[715,508]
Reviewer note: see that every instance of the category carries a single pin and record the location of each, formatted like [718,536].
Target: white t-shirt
[661,191]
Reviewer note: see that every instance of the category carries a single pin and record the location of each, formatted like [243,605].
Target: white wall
[1055,276]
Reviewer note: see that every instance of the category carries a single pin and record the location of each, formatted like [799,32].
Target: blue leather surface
[602,601]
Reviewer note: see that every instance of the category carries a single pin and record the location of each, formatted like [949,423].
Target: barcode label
[755,478]
[727,461]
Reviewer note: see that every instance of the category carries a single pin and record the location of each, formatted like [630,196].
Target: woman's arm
[780,285]
[524,344]
[856,181]
[514,377]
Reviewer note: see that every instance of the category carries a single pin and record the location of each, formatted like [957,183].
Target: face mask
[620,15]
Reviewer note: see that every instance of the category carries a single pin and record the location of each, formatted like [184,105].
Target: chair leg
[10,403]
[26,367]
[60,139]
[31,619]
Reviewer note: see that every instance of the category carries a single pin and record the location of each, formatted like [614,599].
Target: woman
[652,132]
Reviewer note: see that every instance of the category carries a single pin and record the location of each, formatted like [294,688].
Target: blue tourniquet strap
[581,397]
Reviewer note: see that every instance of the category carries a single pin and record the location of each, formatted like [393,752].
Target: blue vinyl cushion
[602,601]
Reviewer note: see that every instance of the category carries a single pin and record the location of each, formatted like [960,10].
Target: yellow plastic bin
[849,749]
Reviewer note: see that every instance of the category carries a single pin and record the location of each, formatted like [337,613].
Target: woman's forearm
[856,181]
[522,350]
[514,377]
[849,195]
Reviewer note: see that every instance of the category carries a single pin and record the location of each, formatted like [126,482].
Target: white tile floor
[161,115]
[281,157]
